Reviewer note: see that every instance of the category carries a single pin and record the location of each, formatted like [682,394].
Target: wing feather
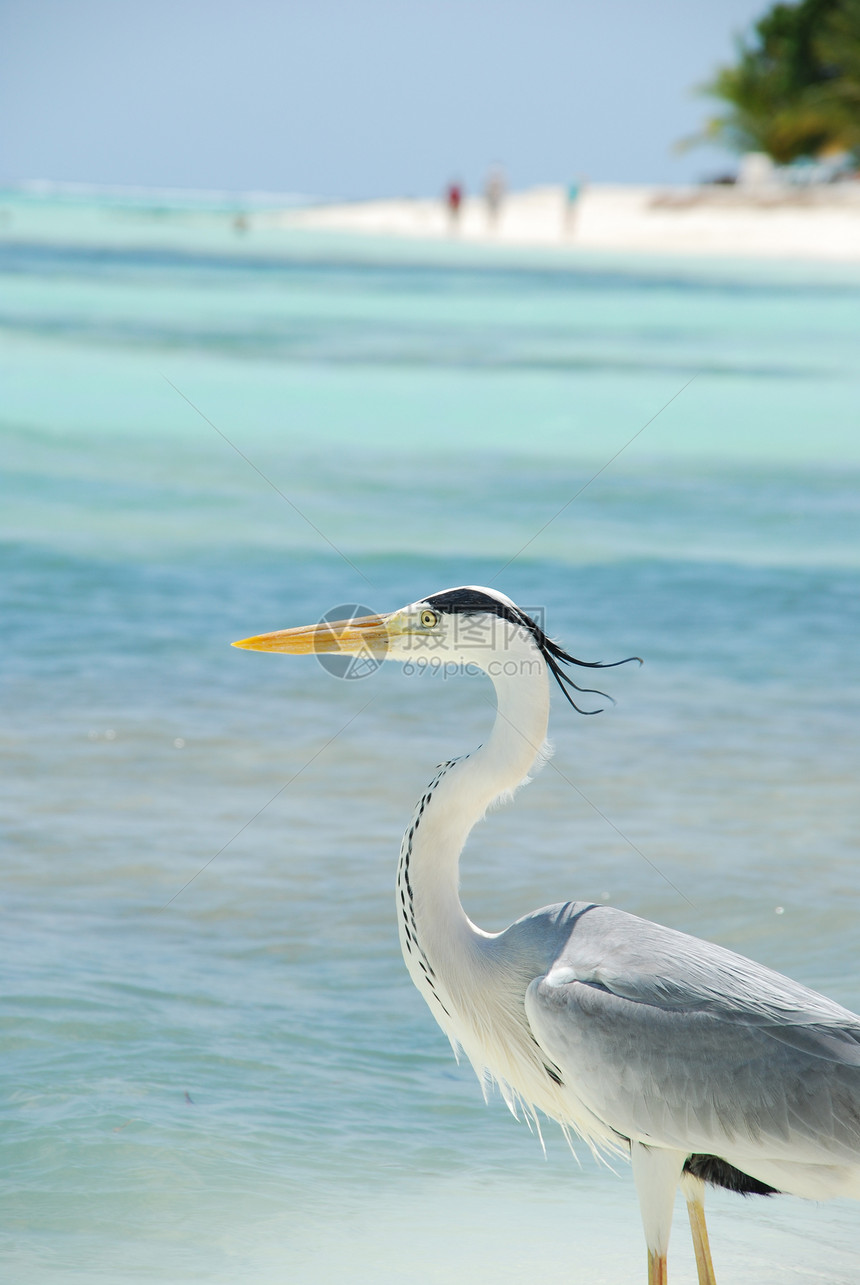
[674,1040]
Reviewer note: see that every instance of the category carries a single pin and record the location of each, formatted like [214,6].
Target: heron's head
[464,626]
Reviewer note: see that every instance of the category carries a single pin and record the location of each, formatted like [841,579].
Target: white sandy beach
[815,223]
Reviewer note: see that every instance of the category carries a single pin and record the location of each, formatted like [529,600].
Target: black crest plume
[472,602]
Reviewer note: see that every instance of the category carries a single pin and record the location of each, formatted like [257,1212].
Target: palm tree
[795,89]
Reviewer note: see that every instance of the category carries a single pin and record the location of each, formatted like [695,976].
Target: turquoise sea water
[238,1082]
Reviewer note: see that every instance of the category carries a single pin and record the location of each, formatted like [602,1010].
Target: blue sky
[373,97]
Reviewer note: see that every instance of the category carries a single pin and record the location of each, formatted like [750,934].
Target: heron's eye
[429,619]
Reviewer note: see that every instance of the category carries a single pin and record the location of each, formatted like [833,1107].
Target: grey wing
[676,1041]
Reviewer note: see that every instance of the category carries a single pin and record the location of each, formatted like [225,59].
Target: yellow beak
[350,637]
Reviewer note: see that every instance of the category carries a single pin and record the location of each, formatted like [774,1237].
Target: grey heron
[699,1065]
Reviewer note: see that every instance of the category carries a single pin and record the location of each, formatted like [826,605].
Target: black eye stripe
[466,602]
[471,602]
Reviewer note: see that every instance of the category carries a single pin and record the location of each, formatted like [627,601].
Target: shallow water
[238,1081]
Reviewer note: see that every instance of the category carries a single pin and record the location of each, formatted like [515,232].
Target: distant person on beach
[574,196]
[454,199]
[494,194]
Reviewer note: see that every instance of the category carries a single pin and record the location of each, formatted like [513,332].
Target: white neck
[475,982]
[437,937]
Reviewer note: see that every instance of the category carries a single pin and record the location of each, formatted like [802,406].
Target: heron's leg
[657,1270]
[694,1194]
[656,1172]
